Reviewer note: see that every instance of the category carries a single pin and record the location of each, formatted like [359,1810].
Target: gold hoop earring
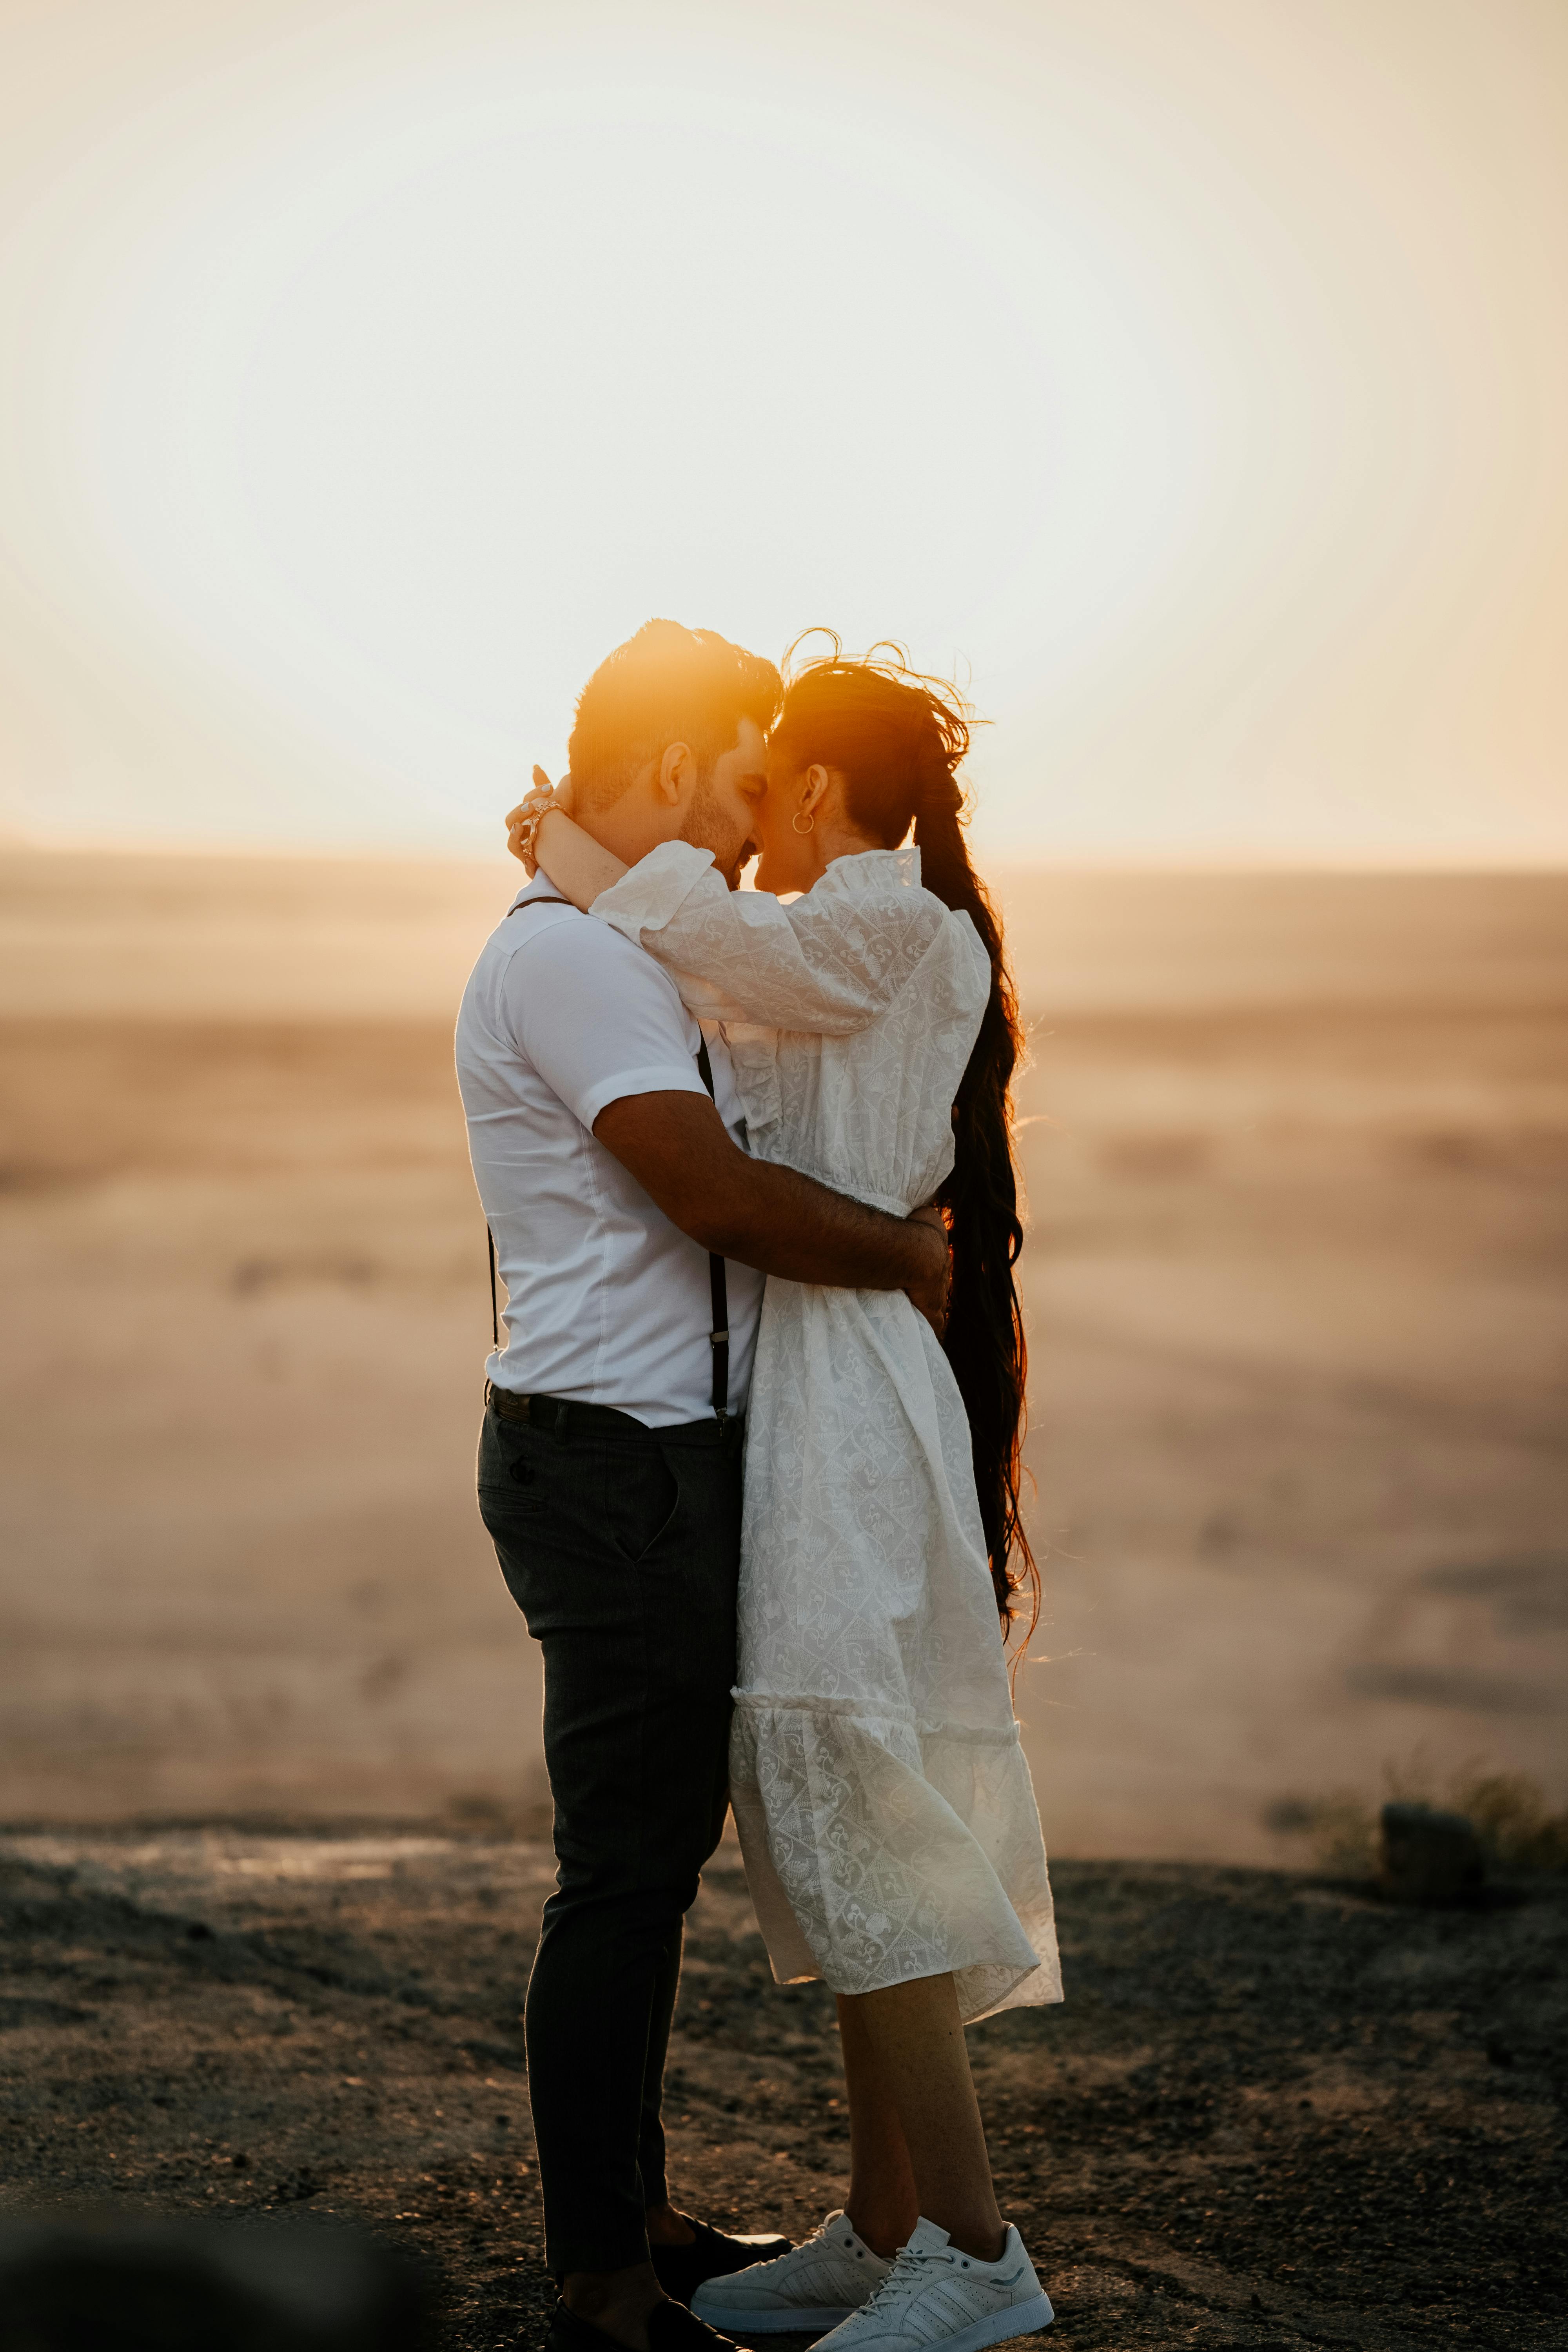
[808,826]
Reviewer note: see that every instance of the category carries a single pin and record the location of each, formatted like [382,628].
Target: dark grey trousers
[621,1545]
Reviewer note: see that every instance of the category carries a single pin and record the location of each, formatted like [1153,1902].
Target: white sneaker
[936,2298]
[823,2279]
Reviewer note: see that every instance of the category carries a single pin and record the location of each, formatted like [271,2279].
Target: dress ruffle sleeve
[828,962]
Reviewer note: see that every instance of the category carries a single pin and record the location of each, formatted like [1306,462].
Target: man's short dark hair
[667,685]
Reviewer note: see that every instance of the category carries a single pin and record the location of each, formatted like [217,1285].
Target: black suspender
[495,1301]
[719,1338]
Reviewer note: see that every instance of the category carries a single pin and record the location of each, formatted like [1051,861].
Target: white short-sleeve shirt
[607,1302]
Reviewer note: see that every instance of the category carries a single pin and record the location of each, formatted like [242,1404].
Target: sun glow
[407,451]
[407,374]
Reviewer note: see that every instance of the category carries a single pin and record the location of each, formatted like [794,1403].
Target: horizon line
[1099,859]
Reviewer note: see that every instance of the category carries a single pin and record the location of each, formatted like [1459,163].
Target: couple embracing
[750,1457]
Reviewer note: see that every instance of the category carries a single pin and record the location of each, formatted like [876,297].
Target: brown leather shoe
[681,2270]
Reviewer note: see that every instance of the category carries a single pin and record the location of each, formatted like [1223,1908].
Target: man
[633,1234]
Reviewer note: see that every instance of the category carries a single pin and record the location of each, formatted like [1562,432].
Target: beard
[711,826]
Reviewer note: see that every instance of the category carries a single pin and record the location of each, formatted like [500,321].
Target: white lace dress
[884,1805]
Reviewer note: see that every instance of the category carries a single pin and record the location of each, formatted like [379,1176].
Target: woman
[891,1840]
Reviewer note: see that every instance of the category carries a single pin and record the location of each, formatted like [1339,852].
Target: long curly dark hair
[898,738]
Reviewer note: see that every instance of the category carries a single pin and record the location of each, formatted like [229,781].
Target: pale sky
[1192,375]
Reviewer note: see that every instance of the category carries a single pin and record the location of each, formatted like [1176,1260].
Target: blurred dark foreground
[101,2282]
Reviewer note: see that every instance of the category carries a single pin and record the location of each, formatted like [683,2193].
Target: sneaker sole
[772,2321]
[1018,2319]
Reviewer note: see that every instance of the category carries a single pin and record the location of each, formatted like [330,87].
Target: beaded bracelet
[534,805]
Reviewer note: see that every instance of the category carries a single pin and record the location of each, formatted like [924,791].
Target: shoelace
[823,2240]
[906,2265]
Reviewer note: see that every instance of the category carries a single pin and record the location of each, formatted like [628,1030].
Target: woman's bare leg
[883,2202]
[917,2143]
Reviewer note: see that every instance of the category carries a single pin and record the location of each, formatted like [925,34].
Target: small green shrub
[1506,1810]
[1510,1816]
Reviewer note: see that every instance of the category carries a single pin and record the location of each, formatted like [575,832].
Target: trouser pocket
[641,1491]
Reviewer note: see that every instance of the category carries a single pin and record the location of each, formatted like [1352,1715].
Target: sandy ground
[1298,1287]
[1273,2111]
[1296,1279]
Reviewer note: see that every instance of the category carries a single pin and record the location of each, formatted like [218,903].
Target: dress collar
[852,875]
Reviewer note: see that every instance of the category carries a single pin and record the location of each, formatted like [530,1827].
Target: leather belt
[562,1414]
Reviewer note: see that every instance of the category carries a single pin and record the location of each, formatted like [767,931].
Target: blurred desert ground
[1297,1281]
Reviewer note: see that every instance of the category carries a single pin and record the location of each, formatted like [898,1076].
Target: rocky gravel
[1272,2112]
